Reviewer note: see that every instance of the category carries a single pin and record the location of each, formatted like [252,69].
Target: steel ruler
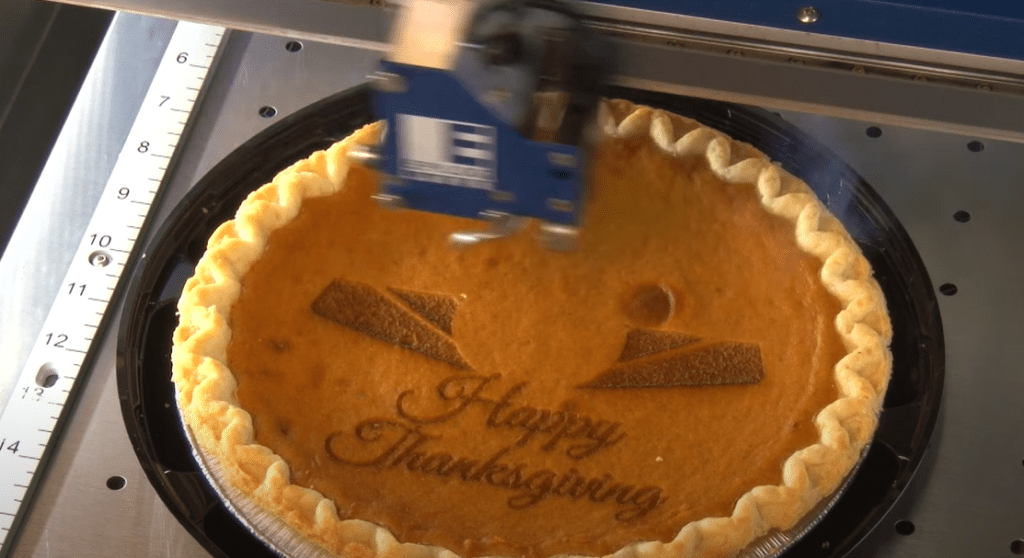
[30,421]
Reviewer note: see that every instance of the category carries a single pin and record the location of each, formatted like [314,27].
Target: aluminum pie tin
[268,528]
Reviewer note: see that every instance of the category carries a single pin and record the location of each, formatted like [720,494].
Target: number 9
[123,193]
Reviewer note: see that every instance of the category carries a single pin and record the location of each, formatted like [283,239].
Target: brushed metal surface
[74,493]
[360,23]
[65,195]
[965,501]
[729,61]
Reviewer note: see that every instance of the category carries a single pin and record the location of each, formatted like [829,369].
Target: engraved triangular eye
[365,309]
[437,308]
[645,342]
[661,359]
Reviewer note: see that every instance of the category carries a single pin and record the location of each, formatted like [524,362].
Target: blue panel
[452,155]
[987,27]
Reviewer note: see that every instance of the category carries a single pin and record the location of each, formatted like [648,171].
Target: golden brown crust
[224,431]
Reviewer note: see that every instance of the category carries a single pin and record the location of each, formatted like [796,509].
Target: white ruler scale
[30,418]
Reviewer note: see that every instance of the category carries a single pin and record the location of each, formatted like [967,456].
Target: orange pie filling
[505,399]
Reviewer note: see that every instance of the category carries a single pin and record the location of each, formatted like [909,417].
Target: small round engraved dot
[267,111]
[1017,547]
[948,289]
[905,527]
[650,305]
[116,482]
[975,146]
[293,46]
[874,132]
[962,216]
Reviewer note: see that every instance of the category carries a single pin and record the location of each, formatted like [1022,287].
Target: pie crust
[206,387]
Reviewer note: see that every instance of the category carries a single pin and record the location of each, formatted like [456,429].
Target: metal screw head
[502,196]
[561,159]
[560,238]
[389,201]
[364,155]
[387,82]
[100,259]
[560,205]
[808,14]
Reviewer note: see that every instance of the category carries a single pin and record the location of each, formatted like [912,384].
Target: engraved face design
[576,400]
[650,358]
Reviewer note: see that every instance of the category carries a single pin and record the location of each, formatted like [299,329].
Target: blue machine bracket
[445,152]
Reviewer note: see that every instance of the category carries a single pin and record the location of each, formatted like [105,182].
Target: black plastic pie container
[889,464]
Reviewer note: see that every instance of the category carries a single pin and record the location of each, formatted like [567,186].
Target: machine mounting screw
[388,82]
[390,201]
[561,159]
[364,155]
[560,205]
[808,14]
[100,259]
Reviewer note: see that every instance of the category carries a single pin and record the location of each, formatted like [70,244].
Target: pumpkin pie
[705,367]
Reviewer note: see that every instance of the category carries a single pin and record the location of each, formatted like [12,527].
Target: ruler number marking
[60,337]
[101,240]
[11,447]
